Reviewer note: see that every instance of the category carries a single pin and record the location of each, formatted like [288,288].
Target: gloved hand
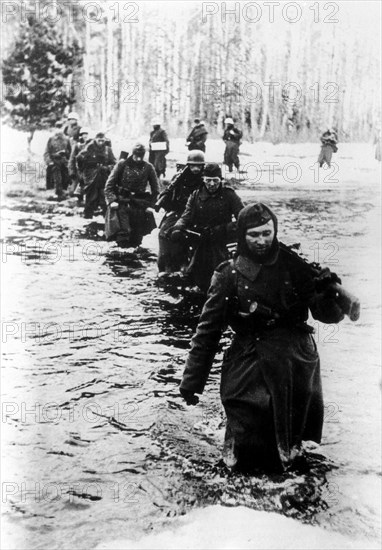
[324,279]
[114,204]
[189,397]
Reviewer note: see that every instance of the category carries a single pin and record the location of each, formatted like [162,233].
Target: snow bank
[218,527]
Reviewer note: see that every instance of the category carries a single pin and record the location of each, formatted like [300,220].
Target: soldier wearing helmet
[159,146]
[172,256]
[72,127]
[231,138]
[197,138]
[75,170]
[126,196]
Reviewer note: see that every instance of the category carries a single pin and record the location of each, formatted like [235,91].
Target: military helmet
[228,120]
[73,115]
[195,157]
[84,130]
[156,121]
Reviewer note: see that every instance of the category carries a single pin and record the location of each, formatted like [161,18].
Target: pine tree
[37,77]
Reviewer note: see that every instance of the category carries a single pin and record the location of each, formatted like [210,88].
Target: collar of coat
[204,195]
[250,269]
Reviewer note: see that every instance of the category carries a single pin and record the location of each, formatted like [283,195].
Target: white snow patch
[219,527]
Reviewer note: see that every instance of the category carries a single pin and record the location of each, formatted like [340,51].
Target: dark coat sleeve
[212,323]
[185,221]
[112,182]
[225,231]
[153,182]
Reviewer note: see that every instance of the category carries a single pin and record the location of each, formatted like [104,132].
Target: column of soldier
[271,372]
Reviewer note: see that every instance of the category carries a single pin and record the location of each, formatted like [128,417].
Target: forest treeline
[279,80]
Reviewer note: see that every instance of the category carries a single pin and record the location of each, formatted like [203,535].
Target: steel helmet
[85,130]
[156,121]
[73,115]
[139,149]
[195,157]
[228,120]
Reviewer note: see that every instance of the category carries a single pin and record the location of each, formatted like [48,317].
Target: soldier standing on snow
[231,138]
[96,160]
[197,138]
[159,146]
[329,140]
[174,255]
[56,157]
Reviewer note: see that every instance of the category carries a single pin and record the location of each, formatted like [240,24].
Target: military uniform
[172,255]
[158,158]
[211,216]
[96,161]
[127,185]
[197,138]
[56,156]
[329,140]
[270,376]
[231,138]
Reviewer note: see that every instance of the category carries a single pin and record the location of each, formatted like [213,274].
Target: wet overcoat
[270,376]
[174,255]
[127,185]
[158,158]
[216,212]
[58,149]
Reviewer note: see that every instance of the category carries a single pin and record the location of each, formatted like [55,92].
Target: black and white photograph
[190,275]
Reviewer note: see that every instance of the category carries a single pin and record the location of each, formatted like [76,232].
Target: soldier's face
[212,184]
[195,168]
[259,239]
[100,142]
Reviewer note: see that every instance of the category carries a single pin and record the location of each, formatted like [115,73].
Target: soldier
[72,127]
[174,255]
[158,152]
[329,140]
[197,138]
[75,173]
[271,383]
[208,219]
[126,194]
[56,157]
[231,138]
[96,160]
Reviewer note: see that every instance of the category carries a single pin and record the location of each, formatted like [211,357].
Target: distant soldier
[174,255]
[159,146]
[232,139]
[208,219]
[96,160]
[125,193]
[197,138]
[56,157]
[72,127]
[329,140]
[75,171]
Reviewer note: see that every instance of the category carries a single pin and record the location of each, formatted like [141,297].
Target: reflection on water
[97,435]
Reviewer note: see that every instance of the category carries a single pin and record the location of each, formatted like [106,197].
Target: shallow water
[98,443]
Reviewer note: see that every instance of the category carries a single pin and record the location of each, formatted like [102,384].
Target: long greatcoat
[270,376]
[216,212]
[158,158]
[127,185]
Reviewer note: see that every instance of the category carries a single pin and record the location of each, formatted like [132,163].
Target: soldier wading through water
[129,216]
[207,225]
[270,376]
[174,255]
[96,160]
